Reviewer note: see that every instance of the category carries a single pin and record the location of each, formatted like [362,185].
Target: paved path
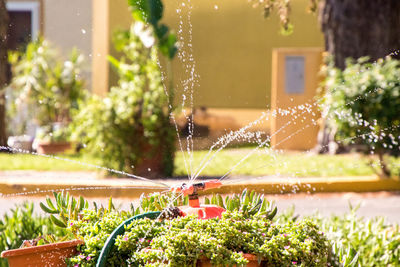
[372,204]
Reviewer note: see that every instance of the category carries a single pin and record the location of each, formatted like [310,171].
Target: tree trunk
[356,28]
[3,70]
[353,29]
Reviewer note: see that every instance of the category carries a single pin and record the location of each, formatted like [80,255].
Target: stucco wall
[232,47]
[68,24]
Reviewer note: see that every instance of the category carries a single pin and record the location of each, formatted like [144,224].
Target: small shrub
[246,227]
[376,242]
[48,87]
[131,124]
[364,103]
[130,129]
[181,241]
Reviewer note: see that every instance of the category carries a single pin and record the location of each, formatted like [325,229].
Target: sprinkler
[201,210]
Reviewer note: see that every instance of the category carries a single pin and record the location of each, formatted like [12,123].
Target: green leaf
[110,204]
[220,201]
[114,62]
[50,203]
[147,11]
[46,209]
[57,222]
[272,214]
[81,203]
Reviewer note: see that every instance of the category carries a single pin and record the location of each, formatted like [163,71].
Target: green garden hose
[101,262]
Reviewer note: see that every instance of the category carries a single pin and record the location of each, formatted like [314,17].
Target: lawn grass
[13,162]
[260,163]
[287,164]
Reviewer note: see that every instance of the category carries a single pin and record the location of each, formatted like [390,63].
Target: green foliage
[364,103]
[95,225]
[66,206]
[131,124]
[147,14]
[22,224]
[282,8]
[181,241]
[375,242]
[49,87]
[248,203]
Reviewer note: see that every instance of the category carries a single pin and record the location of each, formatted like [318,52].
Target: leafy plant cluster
[184,240]
[130,125]
[21,224]
[248,203]
[353,241]
[49,87]
[150,12]
[375,242]
[246,227]
[363,102]
[65,206]
[130,128]
[95,225]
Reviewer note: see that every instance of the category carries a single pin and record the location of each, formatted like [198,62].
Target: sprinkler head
[194,208]
[202,211]
[193,189]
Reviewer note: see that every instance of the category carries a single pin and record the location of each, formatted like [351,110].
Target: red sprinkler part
[202,211]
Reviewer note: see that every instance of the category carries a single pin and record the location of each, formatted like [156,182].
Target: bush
[376,242]
[181,241]
[130,126]
[246,227]
[49,87]
[363,102]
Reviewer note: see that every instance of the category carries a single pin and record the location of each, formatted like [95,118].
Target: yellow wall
[297,130]
[232,47]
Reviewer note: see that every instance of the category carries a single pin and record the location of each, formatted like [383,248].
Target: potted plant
[54,254]
[49,89]
[246,235]
[51,249]
[130,128]
[51,139]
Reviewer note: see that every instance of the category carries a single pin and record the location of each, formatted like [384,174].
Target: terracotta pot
[52,148]
[53,255]
[253,261]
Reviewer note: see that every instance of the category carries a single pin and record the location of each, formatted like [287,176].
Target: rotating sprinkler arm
[193,189]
